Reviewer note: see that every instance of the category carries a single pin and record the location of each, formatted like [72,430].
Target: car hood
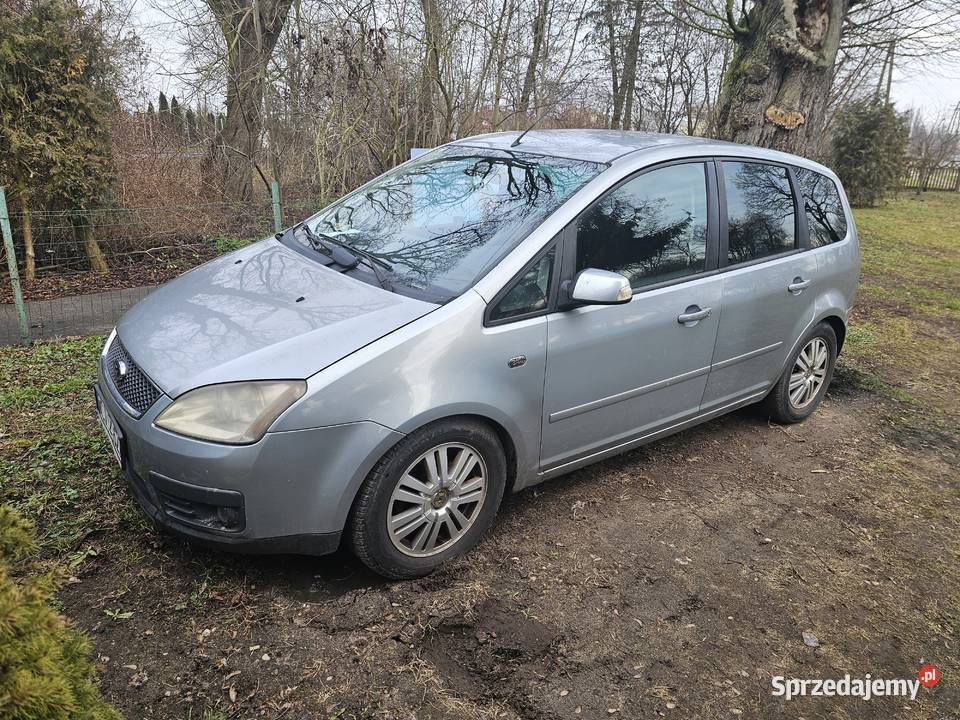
[263,312]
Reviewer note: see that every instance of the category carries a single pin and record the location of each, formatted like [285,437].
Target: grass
[56,467]
[911,252]
[903,340]
[228,243]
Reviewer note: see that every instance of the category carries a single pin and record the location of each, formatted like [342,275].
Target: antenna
[529,128]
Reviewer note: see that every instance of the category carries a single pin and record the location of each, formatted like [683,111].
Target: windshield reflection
[443,220]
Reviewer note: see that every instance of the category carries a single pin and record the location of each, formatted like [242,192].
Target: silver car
[490,315]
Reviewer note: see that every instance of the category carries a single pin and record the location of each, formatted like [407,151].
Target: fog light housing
[229,517]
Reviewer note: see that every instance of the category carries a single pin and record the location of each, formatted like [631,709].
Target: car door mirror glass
[601,287]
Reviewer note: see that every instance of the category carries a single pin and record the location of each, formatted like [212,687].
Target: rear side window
[651,229]
[822,206]
[760,211]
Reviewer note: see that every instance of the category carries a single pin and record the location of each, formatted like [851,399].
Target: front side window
[437,224]
[822,206]
[651,229]
[530,293]
[760,211]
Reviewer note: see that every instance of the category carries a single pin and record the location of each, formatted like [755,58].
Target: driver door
[617,373]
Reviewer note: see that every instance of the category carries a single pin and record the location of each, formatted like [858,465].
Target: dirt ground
[674,581]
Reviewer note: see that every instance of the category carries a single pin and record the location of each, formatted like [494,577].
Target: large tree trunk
[628,87]
[251,29]
[503,34]
[776,86]
[530,77]
[614,67]
[432,132]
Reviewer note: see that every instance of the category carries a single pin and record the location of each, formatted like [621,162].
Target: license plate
[110,427]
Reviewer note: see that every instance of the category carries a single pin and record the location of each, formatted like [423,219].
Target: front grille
[136,389]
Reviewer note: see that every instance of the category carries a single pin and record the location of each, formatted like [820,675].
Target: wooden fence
[944,177]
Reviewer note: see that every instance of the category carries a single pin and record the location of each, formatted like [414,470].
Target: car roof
[608,146]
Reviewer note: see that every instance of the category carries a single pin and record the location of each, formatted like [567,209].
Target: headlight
[232,413]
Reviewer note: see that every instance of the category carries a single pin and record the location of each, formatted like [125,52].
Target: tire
[786,407]
[404,474]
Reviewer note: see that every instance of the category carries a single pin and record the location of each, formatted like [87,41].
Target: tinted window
[529,294]
[760,216]
[822,206]
[650,229]
[444,219]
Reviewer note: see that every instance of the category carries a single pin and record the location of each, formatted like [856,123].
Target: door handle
[692,315]
[798,285]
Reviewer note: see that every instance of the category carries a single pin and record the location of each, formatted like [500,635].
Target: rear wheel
[806,378]
[429,499]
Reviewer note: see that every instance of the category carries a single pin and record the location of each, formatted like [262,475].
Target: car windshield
[440,222]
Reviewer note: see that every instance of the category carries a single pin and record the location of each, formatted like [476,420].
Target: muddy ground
[670,582]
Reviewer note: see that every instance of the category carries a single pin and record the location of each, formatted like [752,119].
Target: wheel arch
[507,440]
[506,437]
[836,323]
[839,329]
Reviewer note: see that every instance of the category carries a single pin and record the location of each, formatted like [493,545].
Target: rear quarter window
[822,206]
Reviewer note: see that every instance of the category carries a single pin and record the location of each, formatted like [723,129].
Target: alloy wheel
[437,499]
[809,372]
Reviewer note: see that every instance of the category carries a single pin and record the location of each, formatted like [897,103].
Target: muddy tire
[429,499]
[806,377]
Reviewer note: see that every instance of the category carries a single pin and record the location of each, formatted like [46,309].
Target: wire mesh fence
[68,291]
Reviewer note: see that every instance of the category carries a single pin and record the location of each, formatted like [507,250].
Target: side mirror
[601,287]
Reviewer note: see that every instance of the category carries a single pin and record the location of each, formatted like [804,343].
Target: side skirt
[636,442]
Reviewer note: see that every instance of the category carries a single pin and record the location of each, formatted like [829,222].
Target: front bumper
[289,492]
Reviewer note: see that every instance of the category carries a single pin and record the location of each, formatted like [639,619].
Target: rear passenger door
[768,280]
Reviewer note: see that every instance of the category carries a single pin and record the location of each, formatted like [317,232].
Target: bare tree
[250,30]
[933,143]
[779,80]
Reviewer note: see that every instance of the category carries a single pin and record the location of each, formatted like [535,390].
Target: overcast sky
[929,91]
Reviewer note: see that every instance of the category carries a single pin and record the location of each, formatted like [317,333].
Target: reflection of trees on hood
[640,238]
[426,220]
[766,224]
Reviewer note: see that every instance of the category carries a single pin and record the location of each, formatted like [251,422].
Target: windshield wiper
[349,256]
[334,250]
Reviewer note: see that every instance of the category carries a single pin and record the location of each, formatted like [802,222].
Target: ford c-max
[497,312]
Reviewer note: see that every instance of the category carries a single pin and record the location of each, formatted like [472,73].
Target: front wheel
[429,499]
[806,378]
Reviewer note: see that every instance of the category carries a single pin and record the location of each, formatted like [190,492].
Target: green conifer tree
[45,668]
[54,144]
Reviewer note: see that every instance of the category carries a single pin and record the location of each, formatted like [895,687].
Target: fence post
[12,265]
[277,214]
